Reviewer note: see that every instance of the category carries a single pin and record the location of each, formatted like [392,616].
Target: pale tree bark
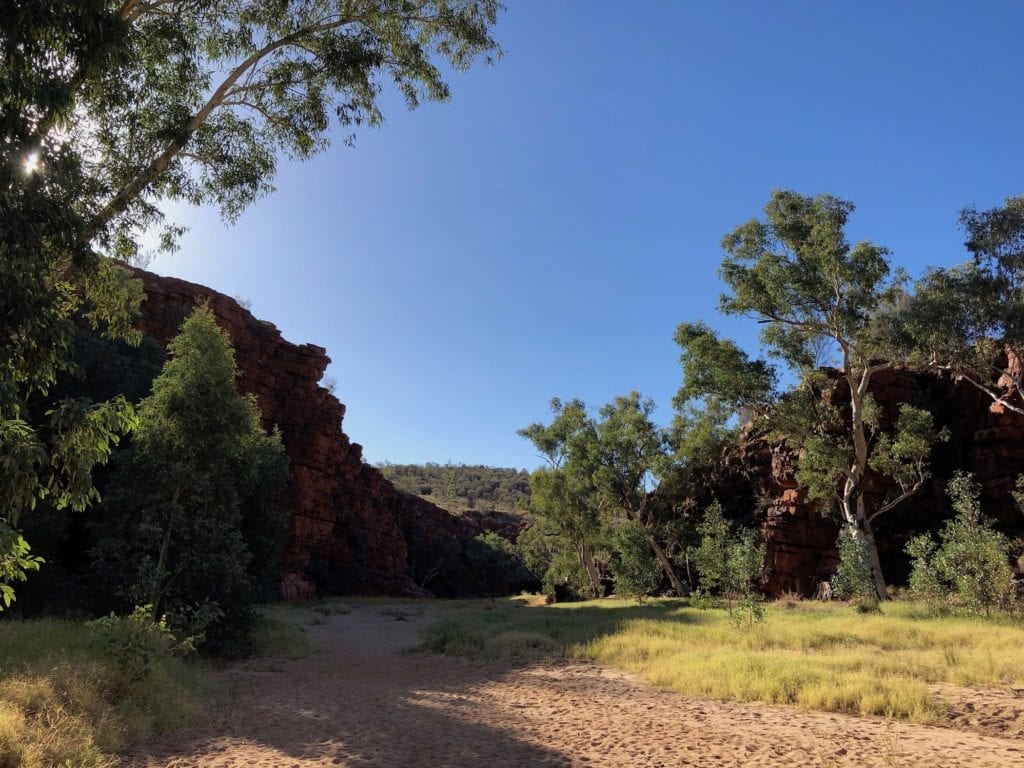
[587,561]
[853,507]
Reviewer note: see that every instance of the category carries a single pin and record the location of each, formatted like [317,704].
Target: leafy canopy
[968,317]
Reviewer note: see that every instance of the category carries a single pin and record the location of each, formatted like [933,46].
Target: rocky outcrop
[348,522]
[984,439]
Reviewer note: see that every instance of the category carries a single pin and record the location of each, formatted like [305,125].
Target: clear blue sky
[544,232]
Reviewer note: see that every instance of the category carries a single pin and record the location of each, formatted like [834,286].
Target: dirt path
[360,701]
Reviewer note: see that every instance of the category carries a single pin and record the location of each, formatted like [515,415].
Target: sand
[361,701]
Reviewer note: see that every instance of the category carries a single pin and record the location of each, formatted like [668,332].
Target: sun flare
[30,164]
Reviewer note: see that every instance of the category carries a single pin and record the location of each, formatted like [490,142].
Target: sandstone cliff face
[800,540]
[346,518]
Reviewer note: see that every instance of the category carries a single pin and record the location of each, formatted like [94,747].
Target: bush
[137,643]
[73,695]
[730,563]
[969,568]
[637,573]
[191,524]
[853,580]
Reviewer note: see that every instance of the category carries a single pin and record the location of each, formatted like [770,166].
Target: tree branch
[159,165]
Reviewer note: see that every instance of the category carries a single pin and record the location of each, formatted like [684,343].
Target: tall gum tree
[563,492]
[108,108]
[600,468]
[820,300]
[634,456]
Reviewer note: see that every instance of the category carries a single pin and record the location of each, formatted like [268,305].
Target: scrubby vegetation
[73,694]
[969,569]
[815,655]
[458,487]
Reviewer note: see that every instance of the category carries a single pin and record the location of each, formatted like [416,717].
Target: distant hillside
[458,487]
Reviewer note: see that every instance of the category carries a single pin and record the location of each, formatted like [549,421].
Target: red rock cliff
[346,518]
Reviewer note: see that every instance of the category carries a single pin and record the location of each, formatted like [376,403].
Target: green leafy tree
[563,493]
[633,456]
[853,579]
[820,301]
[970,566]
[191,526]
[108,108]
[637,572]
[968,318]
[729,560]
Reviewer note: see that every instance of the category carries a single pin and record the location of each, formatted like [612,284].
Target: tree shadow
[358,701]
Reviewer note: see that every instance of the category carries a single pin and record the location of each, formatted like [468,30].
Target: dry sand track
[360,701]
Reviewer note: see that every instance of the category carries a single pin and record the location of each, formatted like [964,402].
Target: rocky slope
[348,523]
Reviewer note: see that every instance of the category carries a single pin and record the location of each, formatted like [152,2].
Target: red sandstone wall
[344,512]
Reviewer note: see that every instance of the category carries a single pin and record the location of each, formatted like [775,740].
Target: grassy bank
[64,701]
[815,655]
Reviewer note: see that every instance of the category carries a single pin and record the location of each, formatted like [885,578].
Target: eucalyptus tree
[604,468]
[563,492]
[819,300]
[108,108]
[969,319]
[633,456]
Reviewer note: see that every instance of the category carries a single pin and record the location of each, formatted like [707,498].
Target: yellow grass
[63,703]
[817,656]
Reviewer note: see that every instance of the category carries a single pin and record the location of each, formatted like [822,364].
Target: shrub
[969,568]
[853,580]
[138,642]
[729,562]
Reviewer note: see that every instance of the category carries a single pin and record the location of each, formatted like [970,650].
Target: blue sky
[543,233]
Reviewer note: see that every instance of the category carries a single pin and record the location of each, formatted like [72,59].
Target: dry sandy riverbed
[360,701]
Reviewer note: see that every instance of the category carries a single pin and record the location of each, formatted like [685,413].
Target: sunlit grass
[817,656]
[62,702]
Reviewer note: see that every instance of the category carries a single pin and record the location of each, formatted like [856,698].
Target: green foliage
[903,456]
[718,372]
[853,579]
[748,611]
[66,701]
[711,557]
[821,301]
[730,563]
[965,318]
[969,569]
[193,498]
[636,571]
[498,488]
[108,109]
[566,578]
[16,561]
[565,496]
[138,643]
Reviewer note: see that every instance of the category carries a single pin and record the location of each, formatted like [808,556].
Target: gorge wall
[355,532]
[349,524]
[984,439]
